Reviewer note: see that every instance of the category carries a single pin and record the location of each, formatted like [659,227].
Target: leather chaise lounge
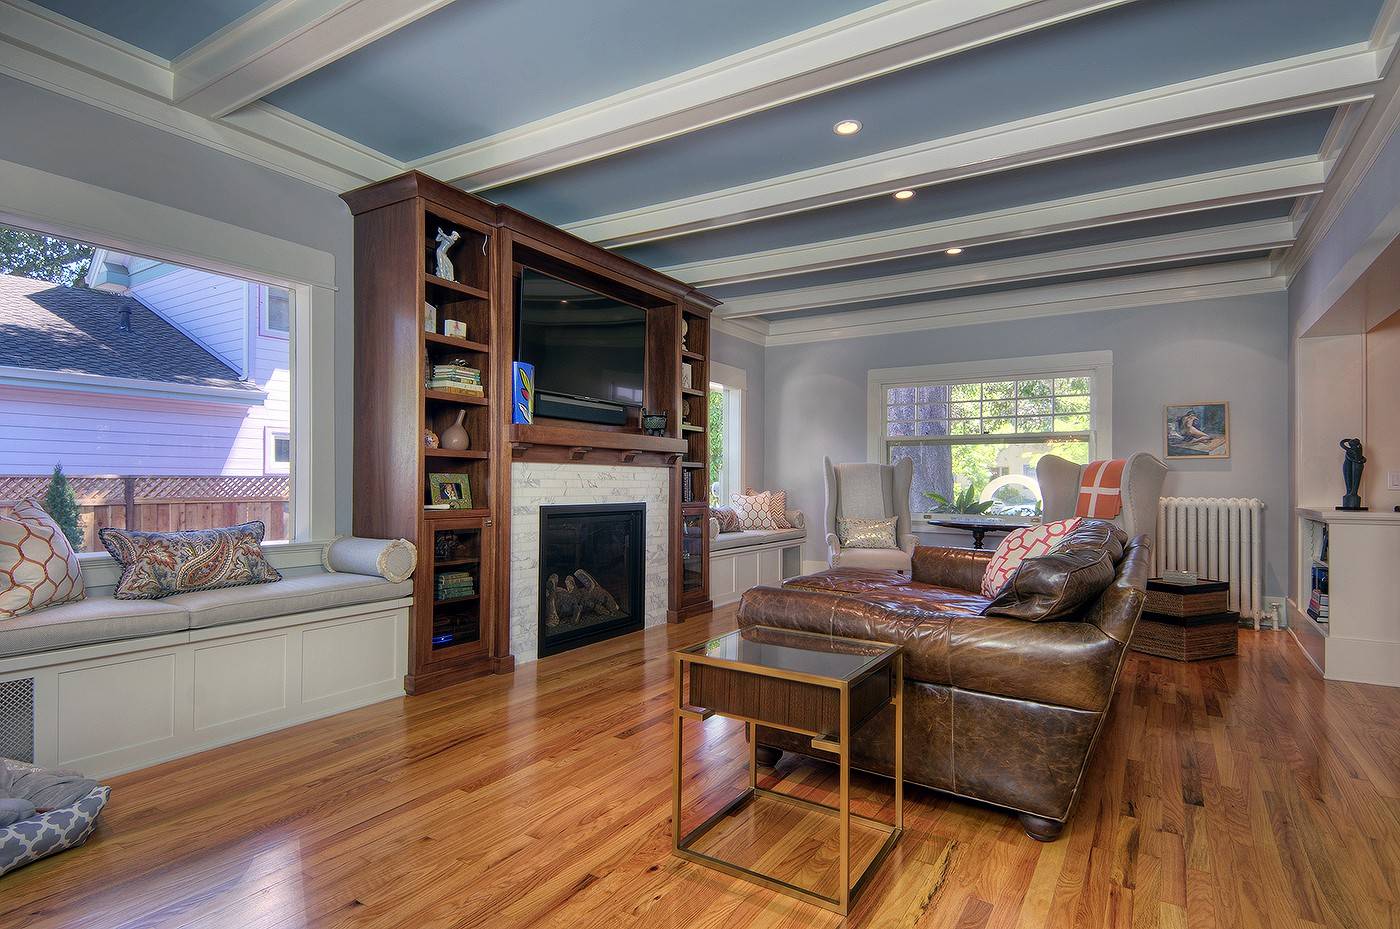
[1003,709]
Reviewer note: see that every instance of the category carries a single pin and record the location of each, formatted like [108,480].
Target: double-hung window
[725,421]
[976,431]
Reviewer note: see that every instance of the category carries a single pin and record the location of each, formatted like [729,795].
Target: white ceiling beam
[1238,239]
[1270,90]
[1292,178]
[883,38]
[279,43]
[1235,279]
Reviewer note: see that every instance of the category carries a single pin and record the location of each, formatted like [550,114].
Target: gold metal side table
[824,687]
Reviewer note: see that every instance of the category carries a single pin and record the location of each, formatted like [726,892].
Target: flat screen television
[584,345]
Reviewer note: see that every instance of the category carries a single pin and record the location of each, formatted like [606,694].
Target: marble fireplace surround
[534,484]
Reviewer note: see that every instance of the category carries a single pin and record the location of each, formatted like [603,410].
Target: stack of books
[1318,607]
[455,378]
[453,585]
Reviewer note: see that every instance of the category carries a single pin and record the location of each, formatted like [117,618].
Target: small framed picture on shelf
[429,317]
[455,328]
[450,491]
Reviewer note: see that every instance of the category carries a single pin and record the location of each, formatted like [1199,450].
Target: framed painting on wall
[1197,430]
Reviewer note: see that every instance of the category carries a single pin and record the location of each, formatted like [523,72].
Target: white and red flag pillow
[1020,545]
[1101,489]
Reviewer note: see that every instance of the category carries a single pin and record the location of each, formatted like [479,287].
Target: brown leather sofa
[998,709]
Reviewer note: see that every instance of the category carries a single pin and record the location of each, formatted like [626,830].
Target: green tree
[42,257]
[62,504]
[715,433]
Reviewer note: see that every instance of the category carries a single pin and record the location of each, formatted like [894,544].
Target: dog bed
[51,832]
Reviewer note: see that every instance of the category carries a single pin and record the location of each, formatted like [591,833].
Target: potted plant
[964,503]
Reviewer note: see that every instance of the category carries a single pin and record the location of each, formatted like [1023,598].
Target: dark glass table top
[787,651]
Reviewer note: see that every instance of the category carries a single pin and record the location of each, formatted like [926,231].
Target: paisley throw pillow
[158,564]
[1019,545]
[38,567]
[726,517]
[867,533]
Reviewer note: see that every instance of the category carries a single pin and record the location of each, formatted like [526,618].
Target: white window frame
[270,463]
[1098,366]
[264,304]
[734,381]
[58,206]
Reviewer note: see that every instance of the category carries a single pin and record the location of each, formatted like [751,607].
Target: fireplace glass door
[591,573]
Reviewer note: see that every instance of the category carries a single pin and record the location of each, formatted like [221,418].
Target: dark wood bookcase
[466,632]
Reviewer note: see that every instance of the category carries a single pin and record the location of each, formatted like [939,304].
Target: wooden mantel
[539,442]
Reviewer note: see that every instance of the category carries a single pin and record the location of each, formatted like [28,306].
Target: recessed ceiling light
[954,251]
[904,195]
[846,127]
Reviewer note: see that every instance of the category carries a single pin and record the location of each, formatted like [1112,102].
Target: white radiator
[1219,538]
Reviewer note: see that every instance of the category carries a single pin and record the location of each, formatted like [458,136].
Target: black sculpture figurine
[1352,466]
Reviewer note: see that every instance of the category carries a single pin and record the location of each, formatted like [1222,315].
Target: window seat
[105,686]
[744,559]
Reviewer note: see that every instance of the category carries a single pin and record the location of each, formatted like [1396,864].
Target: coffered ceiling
[1055,151]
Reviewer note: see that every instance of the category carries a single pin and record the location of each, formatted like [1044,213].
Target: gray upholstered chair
[870,491]
[1142,489]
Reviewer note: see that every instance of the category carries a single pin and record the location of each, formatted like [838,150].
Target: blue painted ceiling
[167,28]
[476,68]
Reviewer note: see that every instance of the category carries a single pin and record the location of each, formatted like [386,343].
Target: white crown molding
[750,330]
[880,39]
[1234,279]
[1290,178]
[1374,125]
[60,55]
[1263,91]
[280,42]
[1208,243]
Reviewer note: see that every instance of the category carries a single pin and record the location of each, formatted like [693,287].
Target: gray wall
[740,353]
[60,135]
[1234,350]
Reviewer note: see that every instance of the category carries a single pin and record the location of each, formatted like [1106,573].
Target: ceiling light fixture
[846,127]
[904,195]
[955,251]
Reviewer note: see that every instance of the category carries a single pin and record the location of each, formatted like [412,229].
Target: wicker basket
[1203,598]
[1214,636]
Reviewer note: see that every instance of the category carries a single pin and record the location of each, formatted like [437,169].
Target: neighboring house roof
[73,330]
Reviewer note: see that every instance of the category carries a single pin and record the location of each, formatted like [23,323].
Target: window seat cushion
[320,591]
[747,537]
[85,622]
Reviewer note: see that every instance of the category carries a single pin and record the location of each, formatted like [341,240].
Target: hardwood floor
[1237,792]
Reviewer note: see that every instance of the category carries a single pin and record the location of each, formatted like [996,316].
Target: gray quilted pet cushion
[51,832]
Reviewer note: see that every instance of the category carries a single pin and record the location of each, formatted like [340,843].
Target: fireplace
[591,573]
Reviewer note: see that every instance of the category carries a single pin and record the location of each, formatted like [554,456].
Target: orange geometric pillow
[1023,543]
[38,567]
[777,506]
[755,511]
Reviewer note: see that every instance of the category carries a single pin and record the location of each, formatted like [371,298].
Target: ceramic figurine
[685,335]
[1352,466]
[430,439]
[455,436]
[444,264]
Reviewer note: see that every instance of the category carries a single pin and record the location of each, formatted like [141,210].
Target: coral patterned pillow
[755,512]
[777,506]
[726,517]
[158,564]
[1023,543]
[38,567]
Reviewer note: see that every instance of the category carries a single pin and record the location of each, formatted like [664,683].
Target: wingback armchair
[1142,489]
[870,491]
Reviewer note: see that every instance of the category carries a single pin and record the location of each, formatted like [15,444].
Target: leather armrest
[959,568]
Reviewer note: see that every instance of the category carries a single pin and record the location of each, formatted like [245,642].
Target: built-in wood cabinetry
[396,224]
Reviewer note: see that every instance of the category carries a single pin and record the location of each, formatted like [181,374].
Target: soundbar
[561,406]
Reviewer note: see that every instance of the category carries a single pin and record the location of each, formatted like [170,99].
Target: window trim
[264,302]
[50,204]
[1097,365]
[270,463]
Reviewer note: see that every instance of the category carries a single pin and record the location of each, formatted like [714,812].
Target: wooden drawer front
[797,705]
[869,696]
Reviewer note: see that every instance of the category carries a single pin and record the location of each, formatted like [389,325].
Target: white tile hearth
[534,484]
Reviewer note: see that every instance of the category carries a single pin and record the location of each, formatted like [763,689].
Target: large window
[976,431]
[725,425]
[164,391]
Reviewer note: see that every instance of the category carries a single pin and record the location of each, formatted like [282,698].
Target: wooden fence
[158,502]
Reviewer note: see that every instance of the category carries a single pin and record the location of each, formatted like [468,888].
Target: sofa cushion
[1057,585]
[291,595]
[84,622]
[746,537]
[38,567]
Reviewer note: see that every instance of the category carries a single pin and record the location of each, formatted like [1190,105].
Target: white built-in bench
[740,560]
[105,685]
